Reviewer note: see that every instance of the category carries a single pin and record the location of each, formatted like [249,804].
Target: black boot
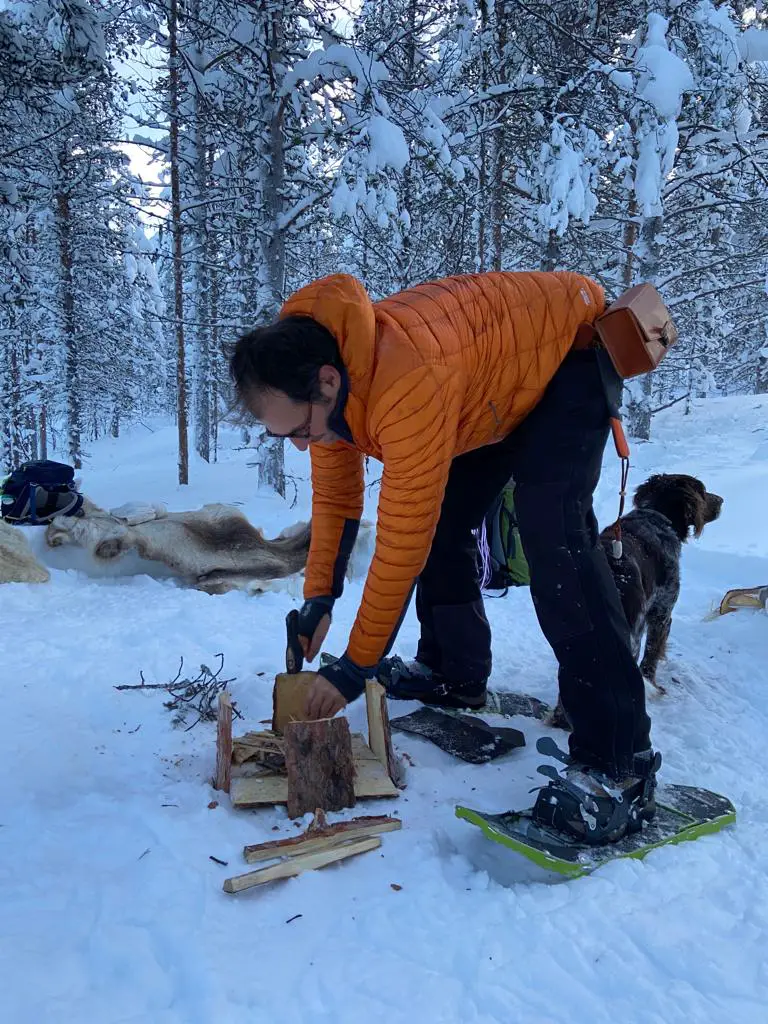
[593,807]
[415,681]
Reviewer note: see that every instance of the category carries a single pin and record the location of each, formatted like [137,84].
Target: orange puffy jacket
[434,371]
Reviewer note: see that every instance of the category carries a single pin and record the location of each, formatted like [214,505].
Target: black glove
[310,614]
[348,678]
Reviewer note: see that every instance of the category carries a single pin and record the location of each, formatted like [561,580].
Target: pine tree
[626,141]
[45,50]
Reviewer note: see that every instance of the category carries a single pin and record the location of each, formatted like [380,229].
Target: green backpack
[503,562]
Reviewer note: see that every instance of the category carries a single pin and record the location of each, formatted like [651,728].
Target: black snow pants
[555,457]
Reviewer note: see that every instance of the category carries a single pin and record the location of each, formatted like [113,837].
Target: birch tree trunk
[406,201]
[499,144]
[201,269]
[43,431]
[66,288]
[641,389]
[177,234]
[551,256]
[215,363]
[482,174]
[761,383]
[630,242]
[482,183]
[11,408]
[272,467]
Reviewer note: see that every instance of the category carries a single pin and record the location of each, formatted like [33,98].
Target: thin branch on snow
[669,405]
[196,696]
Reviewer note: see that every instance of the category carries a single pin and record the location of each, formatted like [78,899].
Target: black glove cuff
[348,678]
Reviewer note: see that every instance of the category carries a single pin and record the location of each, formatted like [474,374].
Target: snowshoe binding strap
[590,806]
[547,746]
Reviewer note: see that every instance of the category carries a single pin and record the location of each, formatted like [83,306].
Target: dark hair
[284,356]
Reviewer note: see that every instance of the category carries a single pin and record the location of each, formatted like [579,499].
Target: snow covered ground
[112,911]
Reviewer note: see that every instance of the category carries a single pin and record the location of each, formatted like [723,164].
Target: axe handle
[294,654]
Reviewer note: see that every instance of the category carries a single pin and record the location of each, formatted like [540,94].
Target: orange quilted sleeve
[415,423]
[337,500]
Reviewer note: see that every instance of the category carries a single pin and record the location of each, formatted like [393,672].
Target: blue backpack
[38,491]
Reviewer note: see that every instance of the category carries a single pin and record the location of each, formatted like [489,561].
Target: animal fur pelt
[214,549]
[17,563]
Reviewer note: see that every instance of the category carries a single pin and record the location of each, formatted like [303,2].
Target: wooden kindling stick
[224,743]
[379,731]
[293,866]
[321,837]
[319,845]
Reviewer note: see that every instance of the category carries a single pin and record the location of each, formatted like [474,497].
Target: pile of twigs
[190,697]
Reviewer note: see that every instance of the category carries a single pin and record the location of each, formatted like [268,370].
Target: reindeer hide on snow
[17,563]
[214,549]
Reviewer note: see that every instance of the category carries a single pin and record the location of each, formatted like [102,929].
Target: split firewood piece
[379,732]
[289,698]
[224,742]
[319,820]
[324,838]
[296,865]
[268,787]
[319,765]
[265,748]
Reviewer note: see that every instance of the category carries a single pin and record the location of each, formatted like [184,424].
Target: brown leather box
[636,331]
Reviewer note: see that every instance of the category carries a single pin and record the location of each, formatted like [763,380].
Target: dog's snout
[714,505]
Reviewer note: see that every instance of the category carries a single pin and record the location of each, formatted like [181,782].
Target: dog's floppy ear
[681,498]
[697,509]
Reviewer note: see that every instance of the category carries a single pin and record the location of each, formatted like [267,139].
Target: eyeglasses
[303,431]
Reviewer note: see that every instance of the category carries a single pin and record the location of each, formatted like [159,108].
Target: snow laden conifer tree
[47,49]
[690,161]
[405,142]
[649,147]
[92,224]
[77,341]
[405,193]
[248,177]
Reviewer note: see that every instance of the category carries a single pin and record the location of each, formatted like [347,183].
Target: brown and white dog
[667,508]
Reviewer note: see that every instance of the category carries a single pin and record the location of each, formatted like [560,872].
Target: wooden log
[379,732]
[319,766]
[289,698]
[266,788]
[296,865]
[322,838]
[371,778]
[224,743]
